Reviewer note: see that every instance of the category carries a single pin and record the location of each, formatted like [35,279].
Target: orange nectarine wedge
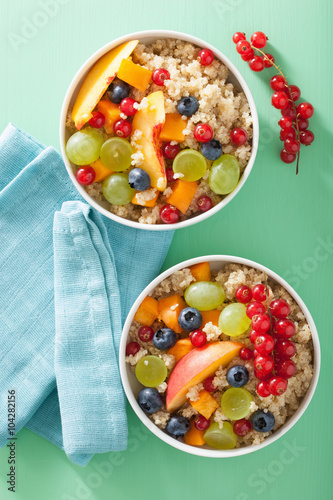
[97,81]
[149,122]
[195,367]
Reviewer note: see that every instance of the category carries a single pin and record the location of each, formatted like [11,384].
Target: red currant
[264,343]
[305,110]
[159,76]
[97,120]
[170,151]
[264,363]
[285,349]
[85,175]
[259,39]
[261,323]
[287,157]
[201,423]
[203,132]
[122,128]
[252,336]
[255,308]
[145,333]
[243,294]
[132,348]
[268,60]
[280,100]
[238,36]
[286,368]
[242,427]
[248,56]
[259,292]
[292,145]
[303,124]
[295,92]
[205,57]
[262,376]
[204,203]
[198,338]
[285,123]
[246,354]
[288,133]
[277,82]
[278,385]
[256,63]
[169,174]
[169,214]
[208,384]
[263,389]
[289,111]
[127,106]
[279,308]
[284,328]
[243,47]
[238,136]
[306,137]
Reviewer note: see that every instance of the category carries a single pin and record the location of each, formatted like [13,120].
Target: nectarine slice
[195,367]
[97,81]
[149,122]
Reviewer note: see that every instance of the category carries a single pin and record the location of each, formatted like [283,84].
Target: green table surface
[278,219]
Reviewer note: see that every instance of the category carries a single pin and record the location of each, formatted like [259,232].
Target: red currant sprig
[295,119]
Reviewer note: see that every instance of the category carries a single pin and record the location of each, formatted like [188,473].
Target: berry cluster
[270,335]
[295,118]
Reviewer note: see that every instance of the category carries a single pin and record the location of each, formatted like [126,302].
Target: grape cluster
[270,336]
[295,118]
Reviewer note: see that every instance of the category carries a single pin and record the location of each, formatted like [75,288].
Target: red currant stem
[270,315]
[293,103]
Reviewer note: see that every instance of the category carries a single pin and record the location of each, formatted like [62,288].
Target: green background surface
[278,219]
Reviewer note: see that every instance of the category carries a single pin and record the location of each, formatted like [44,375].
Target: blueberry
[187,106]
[164,339]
[118,90]
[150,400]
[211,150]
[237,376]
[139,179]
[178,426]
[190,319]
[262,422]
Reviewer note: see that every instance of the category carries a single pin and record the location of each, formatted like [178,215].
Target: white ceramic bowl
[132,386]
[148,37]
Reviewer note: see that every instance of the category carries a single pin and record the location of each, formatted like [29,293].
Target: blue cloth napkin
[68,279]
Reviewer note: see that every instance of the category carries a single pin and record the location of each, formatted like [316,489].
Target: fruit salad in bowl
[219,356]
[158,130]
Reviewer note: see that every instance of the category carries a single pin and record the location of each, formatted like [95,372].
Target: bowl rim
[211,453]
[158,34]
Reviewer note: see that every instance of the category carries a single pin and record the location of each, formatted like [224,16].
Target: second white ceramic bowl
[149,37]
[132,386]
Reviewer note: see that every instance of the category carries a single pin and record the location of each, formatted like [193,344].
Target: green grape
[151,371]
[84,147]
[236,402]
[233,320]
[191,164]
[222,439]
[204,295]
[116,154]
[117,190]
[224,174]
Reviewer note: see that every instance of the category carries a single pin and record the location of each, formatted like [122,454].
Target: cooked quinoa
[282,407]
[221,105]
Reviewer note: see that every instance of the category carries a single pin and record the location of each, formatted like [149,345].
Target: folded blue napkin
[68,279]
